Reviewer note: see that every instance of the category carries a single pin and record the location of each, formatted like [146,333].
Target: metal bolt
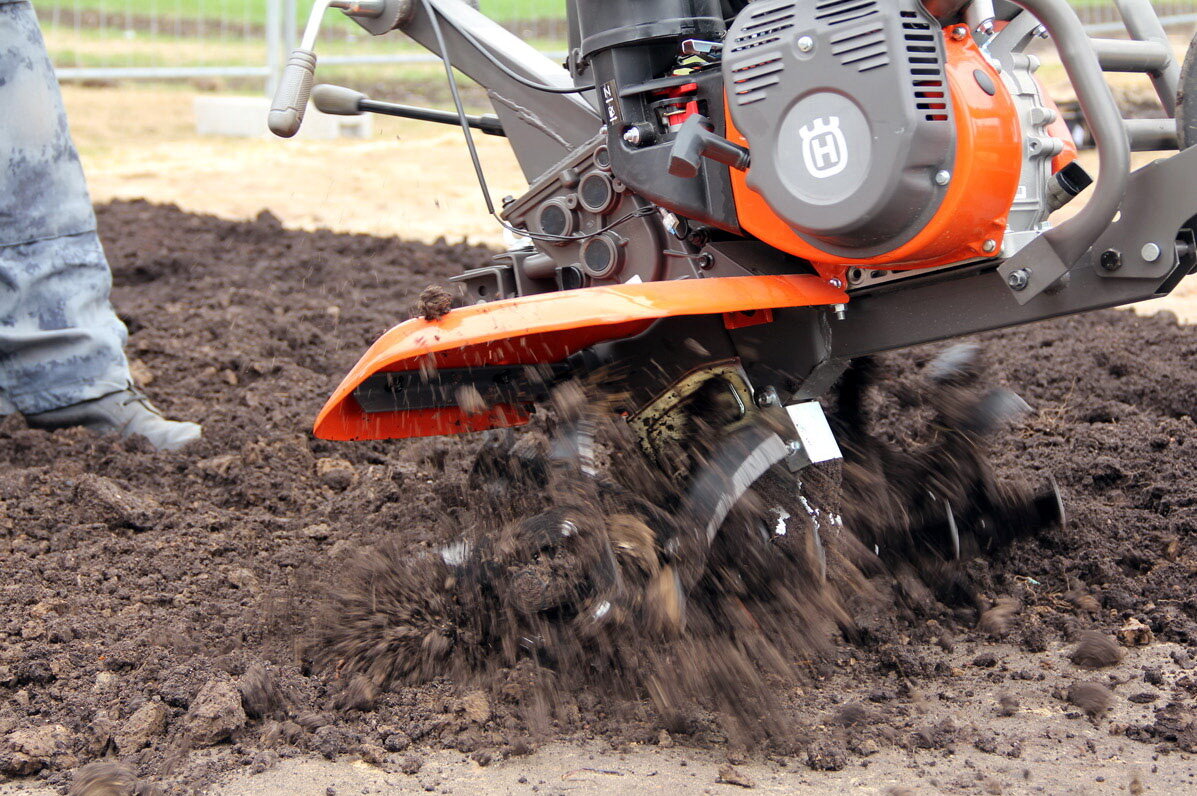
[1019,279]
[959,33]
[1151,252]
[943,177]
[840,311]
[806,44]
[1111,259]
[989,246]
[794,447]
[767,397]
[836,282]
[632,136]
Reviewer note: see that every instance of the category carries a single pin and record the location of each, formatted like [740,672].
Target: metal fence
[110,40]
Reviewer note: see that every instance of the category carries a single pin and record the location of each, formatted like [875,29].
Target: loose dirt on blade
[135,578]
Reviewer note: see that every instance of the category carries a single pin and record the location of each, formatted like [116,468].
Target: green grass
[253,12]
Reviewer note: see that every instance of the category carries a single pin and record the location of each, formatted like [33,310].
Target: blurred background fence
[247,40]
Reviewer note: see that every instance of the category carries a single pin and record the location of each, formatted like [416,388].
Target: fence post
[290,24]
[276,45]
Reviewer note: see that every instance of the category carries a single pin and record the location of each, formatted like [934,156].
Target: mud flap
[483,366]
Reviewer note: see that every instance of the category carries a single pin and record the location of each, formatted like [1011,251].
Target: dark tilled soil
[156,606]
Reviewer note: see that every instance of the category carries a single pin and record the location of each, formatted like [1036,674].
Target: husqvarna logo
[824,148]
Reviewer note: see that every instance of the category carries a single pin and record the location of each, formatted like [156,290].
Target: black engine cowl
[846,108]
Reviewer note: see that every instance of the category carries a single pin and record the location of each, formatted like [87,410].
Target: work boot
[127,412]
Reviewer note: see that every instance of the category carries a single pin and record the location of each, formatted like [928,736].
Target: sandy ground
[413,180]
[1047,762]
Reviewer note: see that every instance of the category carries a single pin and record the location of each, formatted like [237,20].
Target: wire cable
[479,171]
[502,67]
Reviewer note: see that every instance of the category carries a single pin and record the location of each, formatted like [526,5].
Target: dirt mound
[190,581]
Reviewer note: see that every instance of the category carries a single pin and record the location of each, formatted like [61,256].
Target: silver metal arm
[1072,238]
[543,127]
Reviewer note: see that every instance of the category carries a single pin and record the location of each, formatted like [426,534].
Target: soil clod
[215,713]
[730,775]
[1095,650]
[1092,698]
[434,303]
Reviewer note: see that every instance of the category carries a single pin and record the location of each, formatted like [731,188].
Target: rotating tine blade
[735,464]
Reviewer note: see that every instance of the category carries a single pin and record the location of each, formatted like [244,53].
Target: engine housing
[846,109]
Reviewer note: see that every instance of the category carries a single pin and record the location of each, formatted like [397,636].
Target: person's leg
[60,341]
[62,359]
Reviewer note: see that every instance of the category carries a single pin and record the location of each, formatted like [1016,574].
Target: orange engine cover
[971,221]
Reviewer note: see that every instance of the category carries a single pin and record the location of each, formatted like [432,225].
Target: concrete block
[245,117]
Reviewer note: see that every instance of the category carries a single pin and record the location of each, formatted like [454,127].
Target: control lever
[709,51]
[695,140]
[341,101]
[295,86]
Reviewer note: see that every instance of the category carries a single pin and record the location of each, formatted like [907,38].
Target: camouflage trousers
[60,340]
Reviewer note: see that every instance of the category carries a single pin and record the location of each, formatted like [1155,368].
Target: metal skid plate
[814,441]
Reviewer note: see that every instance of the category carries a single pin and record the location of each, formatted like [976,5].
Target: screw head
[1111,259]
[959,32]
[989,246]
[632,136]
[836,282]
[806,44]
[1151,252]
[767,397]
[943,177]
[1018,280]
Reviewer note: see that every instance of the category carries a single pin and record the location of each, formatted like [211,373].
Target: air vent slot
[926,67]
[752,80]
[863,49]
[765,29]
[840,12]
[762,33]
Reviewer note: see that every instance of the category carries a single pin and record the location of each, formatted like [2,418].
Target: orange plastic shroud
[544,328]
[985,180]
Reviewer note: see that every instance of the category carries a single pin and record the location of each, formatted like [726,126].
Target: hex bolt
[794,446]
[836,282]
[841,311]
[1151,252]
[1018,280]
[960,33]
[943,177]
[1111,259]
[632,136]
[806,44]
[768,397]
[989,246]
